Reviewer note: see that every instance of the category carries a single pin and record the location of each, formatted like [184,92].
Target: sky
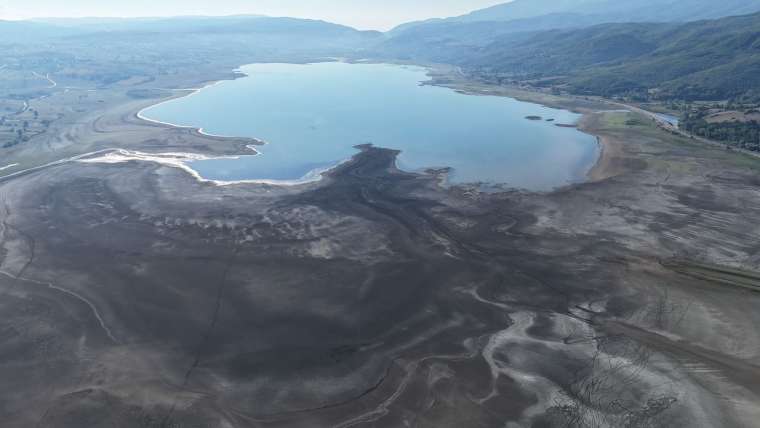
[362,14]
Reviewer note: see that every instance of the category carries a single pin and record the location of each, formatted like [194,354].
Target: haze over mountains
[600,47]
[616,10]
[206,24]
[533,15]
[430,277]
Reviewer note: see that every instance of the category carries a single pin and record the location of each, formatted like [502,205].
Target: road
[51,164]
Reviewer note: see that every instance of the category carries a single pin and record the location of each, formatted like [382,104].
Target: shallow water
[313,115]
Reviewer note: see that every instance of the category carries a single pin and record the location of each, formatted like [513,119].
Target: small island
[534,117]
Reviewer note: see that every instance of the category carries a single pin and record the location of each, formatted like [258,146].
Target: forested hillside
[703,60]
[538,15]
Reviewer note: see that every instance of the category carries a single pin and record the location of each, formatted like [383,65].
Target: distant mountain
[203,24]
[522,9]
[516,10]
[442,41]
[617,10]
[610,47]
[26,32]
[106,22]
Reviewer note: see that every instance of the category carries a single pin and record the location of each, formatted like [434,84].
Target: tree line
[745,135]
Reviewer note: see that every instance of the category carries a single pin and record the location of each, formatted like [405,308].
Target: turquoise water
[312,116]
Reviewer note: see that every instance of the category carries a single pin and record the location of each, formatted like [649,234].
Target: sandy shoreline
[181,160]
[610,148]
[610,151]
[603,169]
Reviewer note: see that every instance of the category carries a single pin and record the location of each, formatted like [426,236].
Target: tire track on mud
[75,295]
[207,335]
[19,276]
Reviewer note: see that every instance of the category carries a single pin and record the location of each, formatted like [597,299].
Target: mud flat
[136,295]
[107,118]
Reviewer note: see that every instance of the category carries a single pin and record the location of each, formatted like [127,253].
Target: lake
[313,115]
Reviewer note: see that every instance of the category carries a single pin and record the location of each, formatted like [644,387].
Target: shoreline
[453,77]
[315,176]
[608,150]
[181,160]
[191,92]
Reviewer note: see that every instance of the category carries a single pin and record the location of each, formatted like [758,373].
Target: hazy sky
[364,14]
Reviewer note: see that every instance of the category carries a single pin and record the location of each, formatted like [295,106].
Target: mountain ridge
[585,13]
[707,60]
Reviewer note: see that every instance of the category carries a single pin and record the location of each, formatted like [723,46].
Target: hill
[703,60]
[25,32]
[31,32]
[441,41]
[617,11]
[209,25]
[101,51]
